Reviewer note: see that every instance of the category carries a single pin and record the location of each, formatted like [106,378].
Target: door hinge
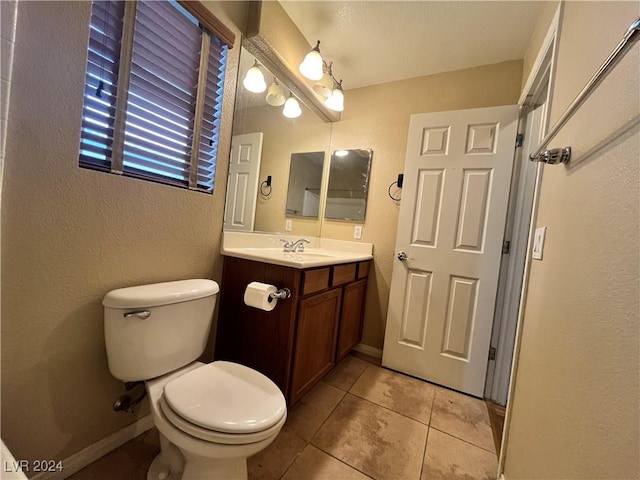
[519,139]
[492,353]
[506,247]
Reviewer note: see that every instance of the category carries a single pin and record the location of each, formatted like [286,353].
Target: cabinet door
[351,317]
[256,338]
[315,341]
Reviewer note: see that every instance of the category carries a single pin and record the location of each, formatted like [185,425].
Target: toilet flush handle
[138,313]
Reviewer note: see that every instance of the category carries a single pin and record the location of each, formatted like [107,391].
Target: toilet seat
[224,402]
[217,437]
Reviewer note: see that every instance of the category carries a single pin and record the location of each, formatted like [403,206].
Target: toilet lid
[226,397]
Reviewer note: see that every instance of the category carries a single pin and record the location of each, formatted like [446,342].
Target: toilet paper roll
[257,295]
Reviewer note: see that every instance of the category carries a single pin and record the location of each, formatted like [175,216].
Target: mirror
[292,152]
[271,143]
[348,185]
[305,180]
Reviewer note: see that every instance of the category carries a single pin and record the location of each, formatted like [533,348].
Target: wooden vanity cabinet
[351,316]
[315,342]
[300,341]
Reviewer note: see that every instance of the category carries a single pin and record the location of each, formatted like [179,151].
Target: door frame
[539,82]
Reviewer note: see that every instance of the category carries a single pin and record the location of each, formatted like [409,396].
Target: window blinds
[166,127]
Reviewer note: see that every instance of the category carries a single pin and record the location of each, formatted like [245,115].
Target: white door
[242,184]
[452,217]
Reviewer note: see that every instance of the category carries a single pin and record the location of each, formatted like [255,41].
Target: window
[153,92]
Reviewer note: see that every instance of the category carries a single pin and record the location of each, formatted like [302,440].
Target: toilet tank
[155,329]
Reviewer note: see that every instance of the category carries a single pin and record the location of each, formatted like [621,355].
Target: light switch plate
[357,231]
[287,225]
[538,243]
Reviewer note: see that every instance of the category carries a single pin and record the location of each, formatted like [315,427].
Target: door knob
[402,256]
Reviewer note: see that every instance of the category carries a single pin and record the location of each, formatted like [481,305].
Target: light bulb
[291,108]
[275,94]
[323,86]
[336,100]
[254,80]
[311,66]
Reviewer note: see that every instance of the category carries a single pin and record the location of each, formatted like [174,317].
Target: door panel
[476,188]
[451,225]
[242,184]
[414,320]
[427,216]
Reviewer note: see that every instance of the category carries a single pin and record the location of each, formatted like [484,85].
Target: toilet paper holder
[280,294]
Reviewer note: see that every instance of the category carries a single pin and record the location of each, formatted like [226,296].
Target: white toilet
[211,417]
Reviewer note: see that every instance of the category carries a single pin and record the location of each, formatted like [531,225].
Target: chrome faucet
[297,246]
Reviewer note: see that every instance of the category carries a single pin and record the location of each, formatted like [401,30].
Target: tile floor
[361,421]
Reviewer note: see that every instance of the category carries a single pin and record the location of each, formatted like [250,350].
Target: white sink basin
[315,254]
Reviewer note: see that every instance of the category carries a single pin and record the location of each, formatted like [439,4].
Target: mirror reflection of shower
[348,185]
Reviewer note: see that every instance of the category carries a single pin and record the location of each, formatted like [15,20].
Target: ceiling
[373,42]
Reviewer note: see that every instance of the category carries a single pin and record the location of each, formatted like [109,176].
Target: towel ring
[398,182]
[265,187]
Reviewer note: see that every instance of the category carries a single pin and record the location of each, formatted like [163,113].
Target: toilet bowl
[211,417]
[238,411]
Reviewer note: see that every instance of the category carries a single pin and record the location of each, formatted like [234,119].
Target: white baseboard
[367,350]
[86,456]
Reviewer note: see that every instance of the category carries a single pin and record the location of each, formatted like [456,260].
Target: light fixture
[254,79]
[324,86]
[311,66]
[275,94]
[341,153]
[291,108]
[336,100]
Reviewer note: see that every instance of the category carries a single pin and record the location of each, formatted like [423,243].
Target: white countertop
[267,248]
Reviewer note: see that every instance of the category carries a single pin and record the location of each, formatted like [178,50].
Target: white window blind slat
[169,51]
[210,128]
[172,161]
[151,120]
[172,101]
[100,84]
[180,42]
[150,63]
[157,112]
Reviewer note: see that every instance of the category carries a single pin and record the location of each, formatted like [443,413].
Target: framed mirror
[348,185]
[305,181]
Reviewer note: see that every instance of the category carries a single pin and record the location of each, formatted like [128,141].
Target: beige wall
[576,400]
[377,117]
[69,235]
[545,17]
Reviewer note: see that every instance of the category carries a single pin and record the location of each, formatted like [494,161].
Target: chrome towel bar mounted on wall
[563,155]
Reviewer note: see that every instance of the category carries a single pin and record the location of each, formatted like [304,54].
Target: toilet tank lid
[157,294]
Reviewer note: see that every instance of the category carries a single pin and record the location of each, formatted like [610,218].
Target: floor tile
[401,393]
[144,448]
[344,375]
[306,417]
[462,416]
[373,439]
[367,358]
[273,461]
[314,464]
[449,458]
[117,464]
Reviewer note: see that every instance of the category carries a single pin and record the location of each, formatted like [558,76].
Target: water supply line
[125,403]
